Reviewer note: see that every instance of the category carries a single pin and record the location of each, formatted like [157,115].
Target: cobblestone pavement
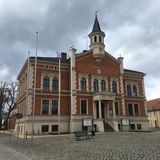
[106,146]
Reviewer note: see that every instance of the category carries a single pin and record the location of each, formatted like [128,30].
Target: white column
[100,111]
[114,112]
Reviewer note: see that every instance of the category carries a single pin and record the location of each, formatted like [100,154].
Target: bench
[79,134]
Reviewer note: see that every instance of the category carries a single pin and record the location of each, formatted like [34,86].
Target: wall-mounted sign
[87,122]
[125,122]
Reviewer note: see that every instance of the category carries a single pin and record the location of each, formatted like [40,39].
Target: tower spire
[96,26]
[97,39]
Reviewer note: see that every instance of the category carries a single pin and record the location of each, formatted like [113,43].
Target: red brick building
[93,84]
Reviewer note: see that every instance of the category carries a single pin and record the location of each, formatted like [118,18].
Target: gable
[86,63]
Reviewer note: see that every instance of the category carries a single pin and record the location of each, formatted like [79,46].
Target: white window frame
[87,83]
[51,76]
[133,110]
[51,107]
[86,106]
[48,106]
[117,82]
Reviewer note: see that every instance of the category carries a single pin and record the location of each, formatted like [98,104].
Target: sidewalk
[7,153]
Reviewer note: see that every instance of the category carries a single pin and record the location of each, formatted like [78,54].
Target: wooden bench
[79,134]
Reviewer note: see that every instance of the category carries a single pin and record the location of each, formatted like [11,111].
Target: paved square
[106,146]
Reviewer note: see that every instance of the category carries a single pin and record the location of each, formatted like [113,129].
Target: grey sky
[132,30]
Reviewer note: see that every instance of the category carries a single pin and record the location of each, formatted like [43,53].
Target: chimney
[63,56]
[120,59]
[73,52]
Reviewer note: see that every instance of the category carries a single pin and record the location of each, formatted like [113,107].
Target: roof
[153,104]
[96,26]
[51,59]
[133,72]
[48,59]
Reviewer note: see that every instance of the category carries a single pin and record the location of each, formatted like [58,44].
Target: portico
[101,108]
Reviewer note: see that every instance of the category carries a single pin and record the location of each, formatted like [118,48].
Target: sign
[125,122]
[87,122]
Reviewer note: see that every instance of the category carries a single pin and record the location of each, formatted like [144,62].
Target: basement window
[54,128]
[45,128]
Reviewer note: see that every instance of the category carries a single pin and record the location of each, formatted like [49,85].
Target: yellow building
[153,108]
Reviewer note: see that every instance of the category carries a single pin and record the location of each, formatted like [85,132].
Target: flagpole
[27,92]
[71,90]
[34,94]
[59,93]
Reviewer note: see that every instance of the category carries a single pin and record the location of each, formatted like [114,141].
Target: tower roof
[96,26]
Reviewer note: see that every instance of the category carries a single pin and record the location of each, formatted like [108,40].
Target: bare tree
[3,99]
[11,99]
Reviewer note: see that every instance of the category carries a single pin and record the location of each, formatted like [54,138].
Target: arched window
[46,83]
[55,83]
[83,84]
[114,86]
[95,85]
[134,90]
[95,39]
[103,85]
[129,92]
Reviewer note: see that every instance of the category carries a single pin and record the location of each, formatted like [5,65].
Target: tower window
[95,39]
[100,39]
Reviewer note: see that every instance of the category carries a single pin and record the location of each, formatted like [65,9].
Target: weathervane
[96,12]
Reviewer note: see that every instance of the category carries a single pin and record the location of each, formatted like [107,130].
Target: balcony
[104,95]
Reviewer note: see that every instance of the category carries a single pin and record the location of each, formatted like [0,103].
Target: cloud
[4,72]
[152,89]
[131,27]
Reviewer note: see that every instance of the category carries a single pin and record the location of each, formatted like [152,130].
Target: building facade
[92,84]
[153,110]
